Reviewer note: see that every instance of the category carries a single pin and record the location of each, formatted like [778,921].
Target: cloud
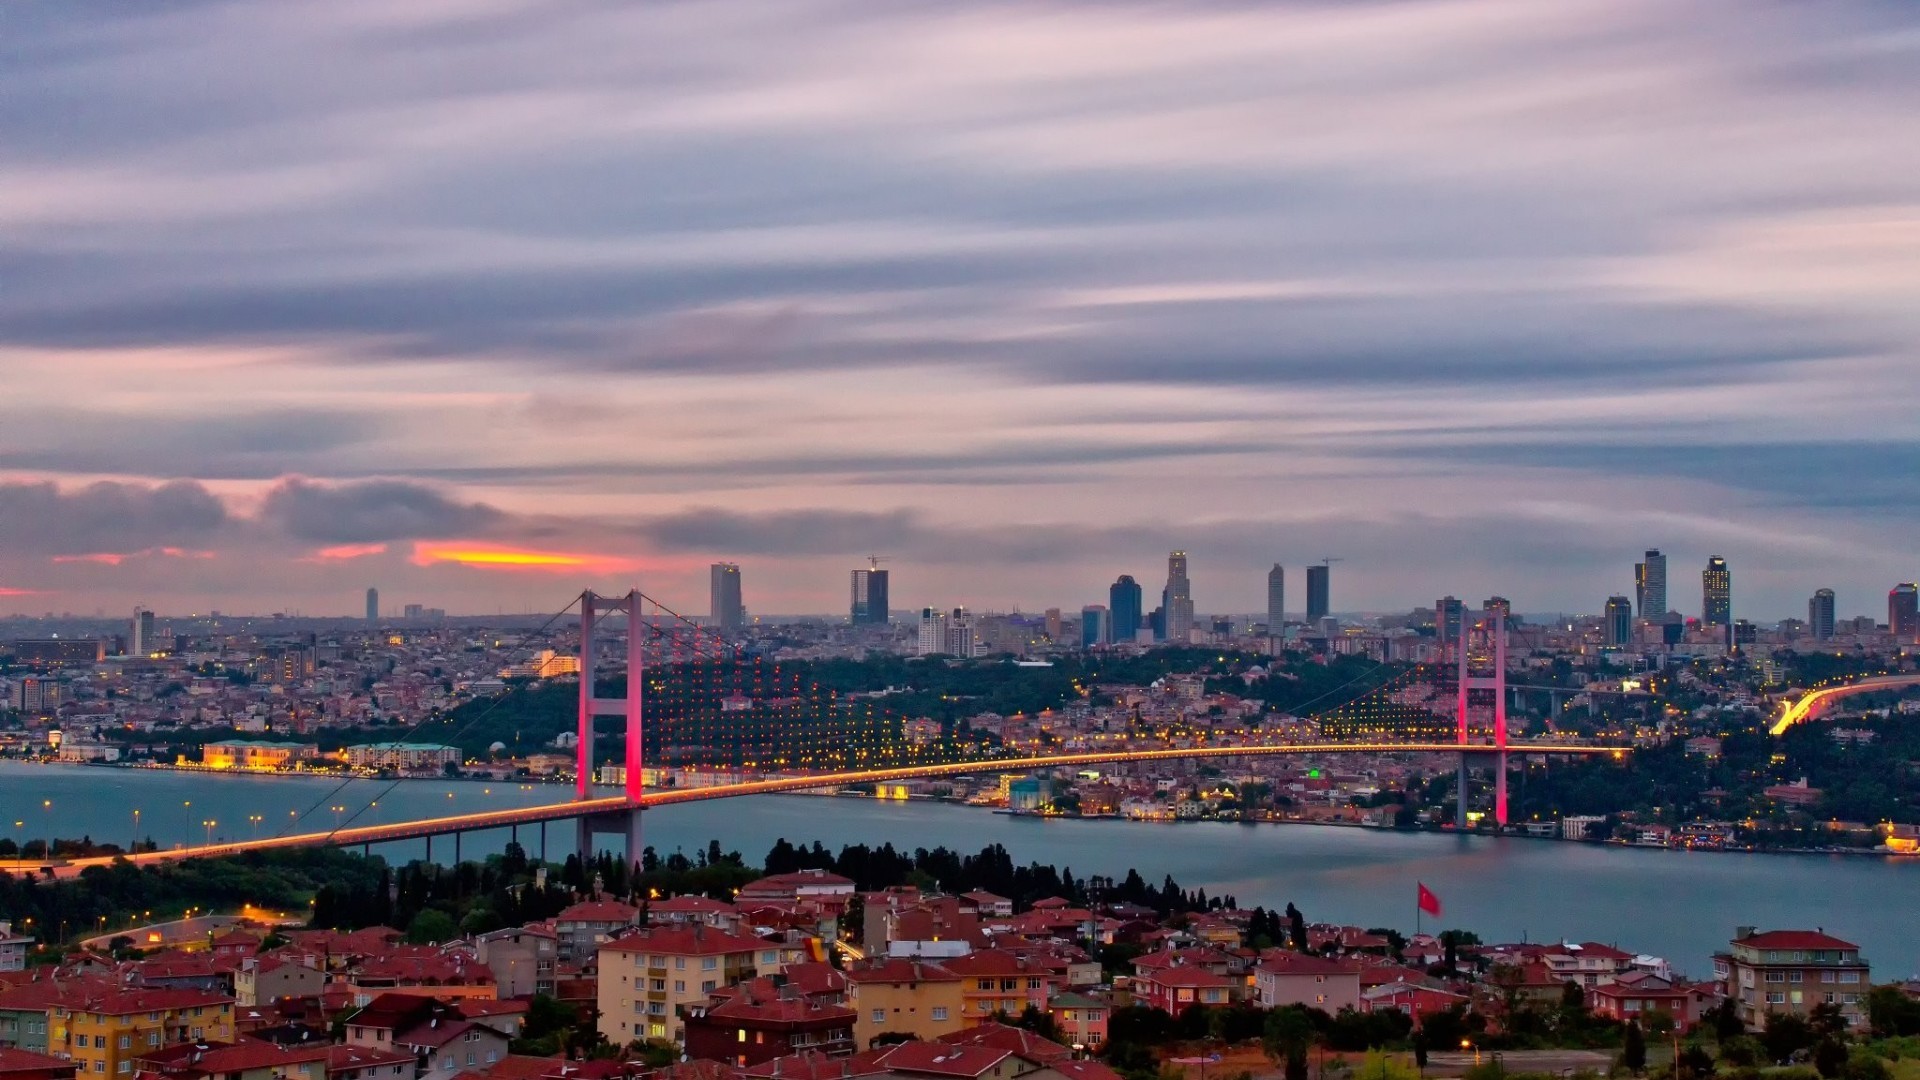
[370,512]
[108,518]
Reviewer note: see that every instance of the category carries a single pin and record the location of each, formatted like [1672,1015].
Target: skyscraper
[1276,601]
[1123,602]
[1319,592]
[1903,613]
[1179,599]
[1653,586]
[140,640]
[869,606]
[1094,627]
[933,630]
[724,605]
[1619,620]
[1716,593]
[1820,615]
[1449,613]
[373,605]
[1498,604]
[1640,588]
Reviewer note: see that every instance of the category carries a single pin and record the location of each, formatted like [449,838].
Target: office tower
[140,641]
[1820,615]
[933,631]
[1640,588]
[1903,613]
[1095,628]
[373,605]
[963,636]
[1653,585]
[1276,601]
[1499,604]
[724,606]
[1123,603]
[1319,592]
[1619,620]
[1716,593]
[1157,623]
[1179,599]
[414,611]
[869,597]
[1449,613]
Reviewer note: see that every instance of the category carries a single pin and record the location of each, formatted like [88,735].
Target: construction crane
[874,561]
[1329,560]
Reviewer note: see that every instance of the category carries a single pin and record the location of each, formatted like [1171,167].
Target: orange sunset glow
[504,558]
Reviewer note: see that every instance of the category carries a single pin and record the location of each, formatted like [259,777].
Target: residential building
[105,1030]
[909,997]
[648,974]
[423,971]
[1619,621]
[265,979]
[1820,615]
[1080,1018]
[16,1064]
[140,636]
[1417,1000]
[749,1026]
[1449,615]
[401,755]
[1639,994]
[521,959]
[580,929]
[997,981]
[441,1040]
[13,947]
[1095,627]
[1792,971]
[247,1059]
[1286,978]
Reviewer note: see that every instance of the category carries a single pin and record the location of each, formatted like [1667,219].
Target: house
[1414,999]
[909,997]
[1588,963]
[105,1030]
[265,979]
[366,1063]
[817,885]
[1637,994]
[1291,978]
[1180,987]
[986,904]
[1792,971]
[995,981]
[18,1064]
[247,1059]
[1081,1018]
[13,947]
[440,1040]
[521,958]
[647,974]
[751,1026]
[579,929]
[421,970]
[1017,1041]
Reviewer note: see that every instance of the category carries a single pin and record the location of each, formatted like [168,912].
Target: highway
[534,815]
[1811,701]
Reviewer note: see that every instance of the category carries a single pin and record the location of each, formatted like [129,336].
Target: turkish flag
[1429,903]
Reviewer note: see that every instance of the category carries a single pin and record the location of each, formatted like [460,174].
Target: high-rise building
[1179,598]
[1499,604]
[1123,603]
[1652,576]
[963,636]
[724,606]
[1054,624]
[1903,613]
[140,641]
[869,597]
[1640,588]
[1094,628]
[1619,620]
[1449,613]
[1716,593]
[933,631]
[1820,614]
[1276,601]
[373,605]
[1319,592]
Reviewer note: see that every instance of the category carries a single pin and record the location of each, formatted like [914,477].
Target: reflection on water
[1683,905]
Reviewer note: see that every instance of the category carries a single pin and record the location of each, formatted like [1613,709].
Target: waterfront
[1678,904]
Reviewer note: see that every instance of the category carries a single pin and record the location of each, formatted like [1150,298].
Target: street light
[136,831]
[209,823]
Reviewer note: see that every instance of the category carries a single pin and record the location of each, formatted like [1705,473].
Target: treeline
[992,870]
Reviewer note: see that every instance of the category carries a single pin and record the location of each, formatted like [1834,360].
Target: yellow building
[647,975]
[104,1030]
[912,997]
[253,755]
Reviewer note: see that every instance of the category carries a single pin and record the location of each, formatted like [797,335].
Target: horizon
[1477,298]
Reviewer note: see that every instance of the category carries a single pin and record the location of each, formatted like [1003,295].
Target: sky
[483,302]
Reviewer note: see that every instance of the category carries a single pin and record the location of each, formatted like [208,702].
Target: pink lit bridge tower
[1481,705]
[624,821]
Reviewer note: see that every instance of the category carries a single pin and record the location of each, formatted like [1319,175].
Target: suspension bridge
[691,698]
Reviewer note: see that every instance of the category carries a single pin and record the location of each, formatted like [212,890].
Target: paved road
[1541,1061]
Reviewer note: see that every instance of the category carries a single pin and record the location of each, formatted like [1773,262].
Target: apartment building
[1792,971]
[648,974]
[910,997]
[104,1031]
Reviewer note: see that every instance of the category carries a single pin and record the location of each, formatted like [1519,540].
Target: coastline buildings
[1792,972]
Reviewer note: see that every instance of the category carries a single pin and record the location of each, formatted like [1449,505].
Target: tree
[1038,1021]
[430,927]
[1297,927]
[1786,1035]
[1891,1013]
[1830,1057]
[1634,1054]
[1296,1062]
[1696,1062]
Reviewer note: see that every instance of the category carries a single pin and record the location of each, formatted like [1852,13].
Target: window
[126,1042]
[708,963]
[1849,976]
[986,984]
[1776,976]
[708,986]
[939,1012]
[1826,976]
[656,1008]
[879,1016]
[742,1035]
[1775,997]
[153,1038]
[1033,984]
[679,963]
[770,957]
[447,1063]
[99,1042]
[1793,976]
[99,1066]
[679,986]
[125,1067]
[493,1056]
[657,984]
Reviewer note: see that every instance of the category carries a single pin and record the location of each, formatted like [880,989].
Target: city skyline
[1255,284]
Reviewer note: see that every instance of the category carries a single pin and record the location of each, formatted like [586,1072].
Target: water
[1681,905]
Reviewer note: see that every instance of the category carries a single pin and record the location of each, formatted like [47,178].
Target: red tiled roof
[988,962]
[942,1059]
[1278,962]
[812,1065]
[119,1002]
[899,970]
[690,905]
[1019,1041]
[20,1061]
[341,1058]
[212,1059]
[1794,939]
[611,911]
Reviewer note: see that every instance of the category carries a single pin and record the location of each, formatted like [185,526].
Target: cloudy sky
[484,301]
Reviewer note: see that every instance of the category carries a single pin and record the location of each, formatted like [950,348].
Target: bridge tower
[1481,653]
[624,821]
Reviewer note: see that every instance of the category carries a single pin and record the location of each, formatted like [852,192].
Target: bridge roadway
[535,815]
[1813,700]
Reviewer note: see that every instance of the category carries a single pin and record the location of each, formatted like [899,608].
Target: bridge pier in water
[624,821]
